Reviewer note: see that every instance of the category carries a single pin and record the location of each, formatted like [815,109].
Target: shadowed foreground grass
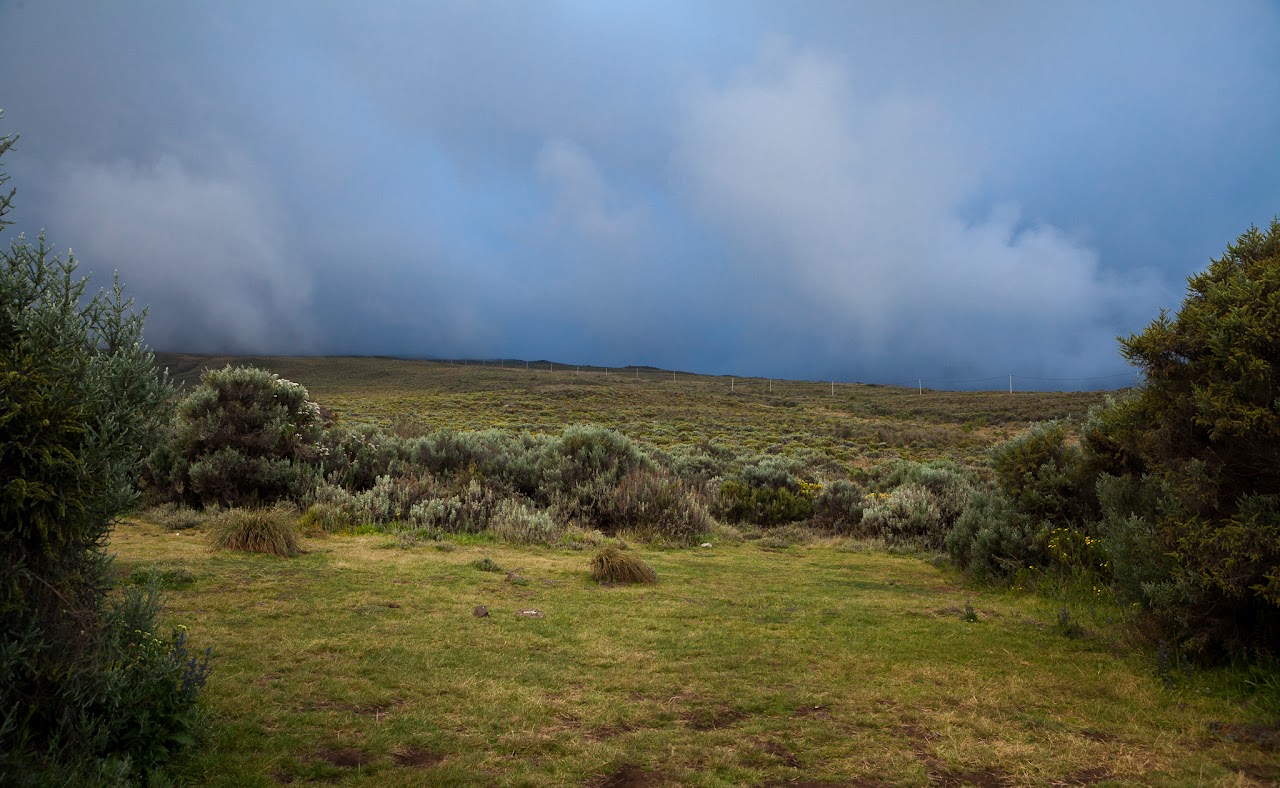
[357,663]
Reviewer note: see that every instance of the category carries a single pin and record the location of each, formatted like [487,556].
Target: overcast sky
[858,191]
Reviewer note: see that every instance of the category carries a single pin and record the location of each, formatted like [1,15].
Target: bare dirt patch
[605,732]
[711,717]
[818,712]
[346,757]
[416,757]
[628,777]
[1265,736]
[779,751]
[1090,776]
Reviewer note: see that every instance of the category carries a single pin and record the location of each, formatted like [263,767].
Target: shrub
[994,539]
[611,565]
[82,402]
[947,485]
[907,516]
[176,517]
[740,502]
[470,511]
[243,437]
[767,490]
[1205,427]
[655,504]
[486,565]
[838,507]
[518,523]
[257,530]
[1047,478]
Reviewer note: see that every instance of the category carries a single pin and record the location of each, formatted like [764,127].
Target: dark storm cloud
[860,191]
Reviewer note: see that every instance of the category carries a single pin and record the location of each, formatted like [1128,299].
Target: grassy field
[857,425]
[828,663]
[360,663]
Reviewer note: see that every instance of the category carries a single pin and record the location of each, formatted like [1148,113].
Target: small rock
[533,614]
[480,612]
[706,544]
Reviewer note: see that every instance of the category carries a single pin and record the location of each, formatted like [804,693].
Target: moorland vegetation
[1162,502]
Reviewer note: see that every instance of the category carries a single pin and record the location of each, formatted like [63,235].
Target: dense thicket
[1204,431]
[1173,493]
[88,689]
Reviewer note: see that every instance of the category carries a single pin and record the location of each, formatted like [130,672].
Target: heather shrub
[773,471]
[472,510]
[176,517]
[581,469]
[268,530]
[355,458]
[513,460]
[700,464]
[243,437]
[993,539]
[325,517]
[654,504]
[767,490]
[947,485]
[611,565]
[907,516]
[838,507]
[516,522]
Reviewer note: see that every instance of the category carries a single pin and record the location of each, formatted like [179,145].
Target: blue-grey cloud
[851,190]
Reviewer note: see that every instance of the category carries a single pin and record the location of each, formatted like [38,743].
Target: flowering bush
[244,436]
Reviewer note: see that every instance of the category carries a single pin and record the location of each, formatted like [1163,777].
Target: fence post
[1011,384]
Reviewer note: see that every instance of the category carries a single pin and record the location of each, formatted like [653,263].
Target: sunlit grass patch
[363,665]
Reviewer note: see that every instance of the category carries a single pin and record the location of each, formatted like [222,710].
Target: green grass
[358,664]
[774,661]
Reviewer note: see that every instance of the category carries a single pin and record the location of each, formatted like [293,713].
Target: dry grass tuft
[612,565]
[265,530]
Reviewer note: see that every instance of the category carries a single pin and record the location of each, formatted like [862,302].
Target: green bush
[656,505]
[257,530]
[1047,477]
[81,405]
[994,539]
[767,491]
[907,516]
[838,507]
[1204,429]
[739,502]
[243,437]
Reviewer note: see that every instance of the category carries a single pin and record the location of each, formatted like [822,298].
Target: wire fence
[1011,383]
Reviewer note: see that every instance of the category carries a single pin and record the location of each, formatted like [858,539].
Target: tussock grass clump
[266,530]
[486,565]
[611,565]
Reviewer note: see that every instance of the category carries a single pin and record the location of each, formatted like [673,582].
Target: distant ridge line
[186,362]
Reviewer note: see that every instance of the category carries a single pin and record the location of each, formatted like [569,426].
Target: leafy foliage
[79,404]
[1205,428]
[244,436]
